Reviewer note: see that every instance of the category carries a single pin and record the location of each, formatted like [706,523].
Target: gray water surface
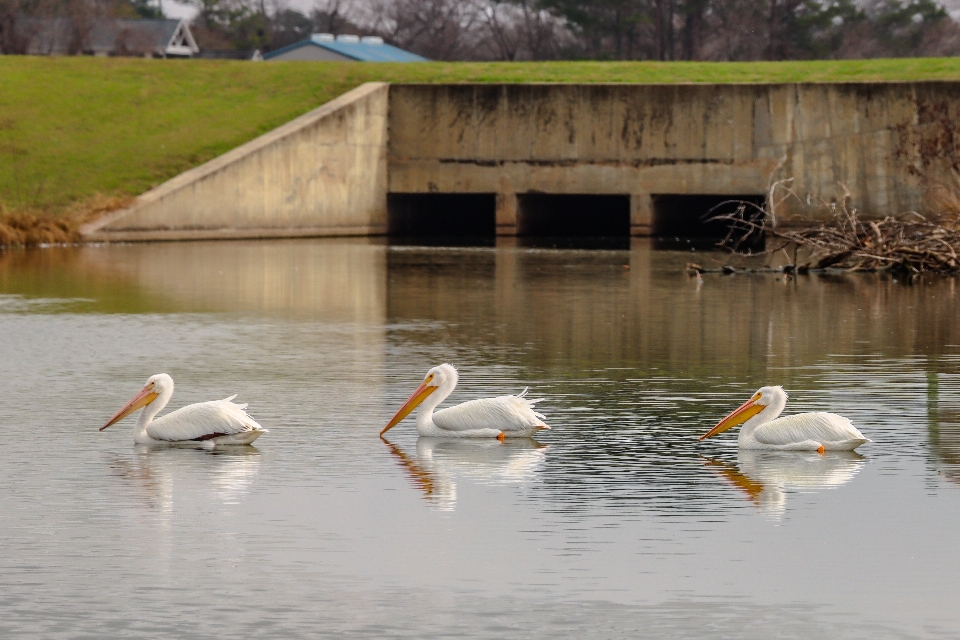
[616,523]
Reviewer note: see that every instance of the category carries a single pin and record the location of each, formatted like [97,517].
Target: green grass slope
[71,128]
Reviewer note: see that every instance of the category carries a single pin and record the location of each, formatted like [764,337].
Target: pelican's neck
[148,413]
[425,411]
[777,404]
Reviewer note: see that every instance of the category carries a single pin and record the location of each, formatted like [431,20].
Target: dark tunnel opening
[686,221]
[578,220]
[442,218]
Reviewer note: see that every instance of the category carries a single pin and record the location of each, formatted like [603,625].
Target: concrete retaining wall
[329,171]
[643,140]
[324,173]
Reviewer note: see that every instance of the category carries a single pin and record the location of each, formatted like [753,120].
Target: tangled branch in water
[909,243]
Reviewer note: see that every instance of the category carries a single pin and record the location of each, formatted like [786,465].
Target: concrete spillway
[547,159]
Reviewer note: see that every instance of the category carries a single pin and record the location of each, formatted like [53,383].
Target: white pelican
[762,429]
[217,422]
[486,418]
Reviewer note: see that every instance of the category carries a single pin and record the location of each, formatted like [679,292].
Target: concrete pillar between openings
[641,214]
[506,214]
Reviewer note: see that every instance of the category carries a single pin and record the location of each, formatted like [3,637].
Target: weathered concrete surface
[329,171]
[322,174]
[643,140]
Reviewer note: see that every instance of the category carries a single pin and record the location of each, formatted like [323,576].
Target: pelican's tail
[530,403]
[239,413]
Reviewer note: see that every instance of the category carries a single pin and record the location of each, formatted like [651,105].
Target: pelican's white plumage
[762,429]
[503,416]
[217,422]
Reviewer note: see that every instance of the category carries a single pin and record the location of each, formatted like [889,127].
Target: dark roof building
[160,38]
[324,46]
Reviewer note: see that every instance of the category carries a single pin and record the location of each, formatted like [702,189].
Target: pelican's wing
[203,421]
[818,427]
[506,413]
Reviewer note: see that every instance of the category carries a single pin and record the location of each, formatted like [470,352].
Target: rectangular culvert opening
[573,220]
[457,217]
[687,221]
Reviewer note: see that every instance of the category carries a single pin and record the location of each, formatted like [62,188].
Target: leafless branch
[908,243]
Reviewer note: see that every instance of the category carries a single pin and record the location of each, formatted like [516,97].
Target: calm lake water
[616,523]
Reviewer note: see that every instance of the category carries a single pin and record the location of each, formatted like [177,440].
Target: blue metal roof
[361,51]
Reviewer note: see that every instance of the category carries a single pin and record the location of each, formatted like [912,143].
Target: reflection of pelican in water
[765,476]
[212,423]
[943,418]
[151,471]
[945,444]
[151,487]
[498,417]
[762,429]
[439,462]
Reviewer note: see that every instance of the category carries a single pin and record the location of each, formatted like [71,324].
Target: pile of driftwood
[908,243]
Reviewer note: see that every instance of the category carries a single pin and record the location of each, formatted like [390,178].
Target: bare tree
[335,16]
[693,26]
[27,25]
[13,38]
[520,30]
[735,31]
[499,21]
[437,29]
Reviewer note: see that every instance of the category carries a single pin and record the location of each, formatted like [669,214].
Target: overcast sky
[174,9]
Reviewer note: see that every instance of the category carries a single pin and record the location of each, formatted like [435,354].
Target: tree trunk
[772,36]
[693,30]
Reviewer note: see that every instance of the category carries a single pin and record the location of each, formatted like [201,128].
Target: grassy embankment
[81,136]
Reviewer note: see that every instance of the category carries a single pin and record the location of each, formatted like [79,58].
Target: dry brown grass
[30,228]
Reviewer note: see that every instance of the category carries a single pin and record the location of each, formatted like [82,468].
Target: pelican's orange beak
[412,402]
[142,399]
[743,413]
